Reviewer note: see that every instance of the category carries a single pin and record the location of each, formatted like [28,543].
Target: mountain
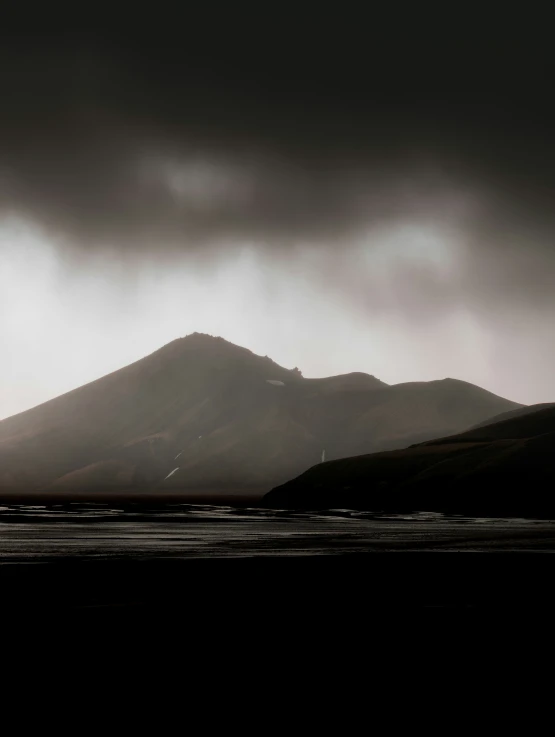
[202,415]
[504,468]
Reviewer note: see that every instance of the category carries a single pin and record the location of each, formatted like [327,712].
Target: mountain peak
[203,336]
[204,341]
[202,413]
[209,348]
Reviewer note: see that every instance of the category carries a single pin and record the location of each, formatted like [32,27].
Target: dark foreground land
[506,468]
[229,592]
[348,624]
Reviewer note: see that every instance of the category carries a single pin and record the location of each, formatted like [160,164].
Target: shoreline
[228,499]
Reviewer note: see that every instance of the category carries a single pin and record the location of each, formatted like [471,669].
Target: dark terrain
[235,424]
[504,468]
[202,418]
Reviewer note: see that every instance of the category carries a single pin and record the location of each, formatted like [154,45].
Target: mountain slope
[202,414]
[520,411]
[505,468]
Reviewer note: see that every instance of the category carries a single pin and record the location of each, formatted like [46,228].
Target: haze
[354,204]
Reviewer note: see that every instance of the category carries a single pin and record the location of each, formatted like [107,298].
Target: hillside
[504,468]
[202,415]
[520,411]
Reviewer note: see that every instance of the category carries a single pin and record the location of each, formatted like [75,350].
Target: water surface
[100,531]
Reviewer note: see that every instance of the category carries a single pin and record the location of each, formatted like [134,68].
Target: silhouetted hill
[202,414]
[515,413]
[505,468]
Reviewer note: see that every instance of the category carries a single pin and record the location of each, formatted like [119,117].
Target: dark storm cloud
[109,146]
[173,134]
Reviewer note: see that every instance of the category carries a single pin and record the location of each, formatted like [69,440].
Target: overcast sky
[338,197]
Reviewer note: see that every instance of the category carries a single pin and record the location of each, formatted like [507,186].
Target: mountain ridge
[232,418]
[503,468]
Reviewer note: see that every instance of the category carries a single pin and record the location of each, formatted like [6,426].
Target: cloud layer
[401,172]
